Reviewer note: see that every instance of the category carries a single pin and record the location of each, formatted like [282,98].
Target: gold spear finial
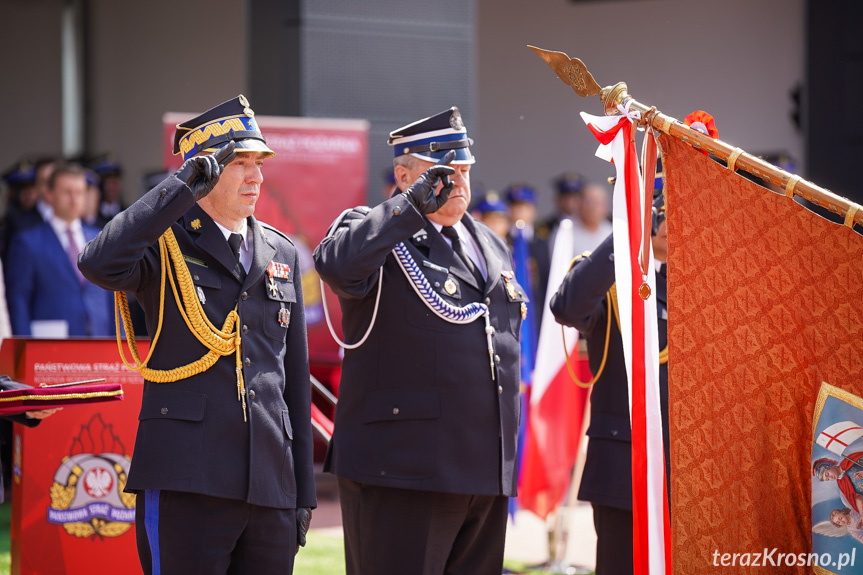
[571,70]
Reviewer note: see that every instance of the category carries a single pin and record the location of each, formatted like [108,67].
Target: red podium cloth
[20,400]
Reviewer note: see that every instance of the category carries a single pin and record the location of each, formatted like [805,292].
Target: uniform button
[245,329]
[614,433]
[500,390]
[383,472]
[395,411]
[164,411]
[196,278]
[397,210]
[437,284]
[488,301]
[245,296]
[251,394]
[247,362]
[611,257]
[163,193]
[497,359]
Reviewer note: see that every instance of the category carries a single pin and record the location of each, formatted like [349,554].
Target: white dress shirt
[247,246]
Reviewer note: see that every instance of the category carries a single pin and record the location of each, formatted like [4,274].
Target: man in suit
[427,418]
[587,301]
[42,280]
[223,457]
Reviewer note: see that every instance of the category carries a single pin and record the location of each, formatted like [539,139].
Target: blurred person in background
[592,225]
[90,215]
[494,213]
[21,198]
[521,199]
[43,285]
[388,188]
[44,169]
[30,209]
[568,188]
[110,174]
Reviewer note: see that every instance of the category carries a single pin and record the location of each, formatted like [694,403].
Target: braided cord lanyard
[219,342]
[611,296]
[432,300]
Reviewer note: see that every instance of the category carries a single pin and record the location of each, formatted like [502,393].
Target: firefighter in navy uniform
[223,457]
[427,419]
[587,300]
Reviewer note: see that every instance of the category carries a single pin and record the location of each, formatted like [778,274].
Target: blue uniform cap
[431,138]
[231,120]
[92,178]
[21,174]
[570,183]
[491,203]
[520,193]
[106,166]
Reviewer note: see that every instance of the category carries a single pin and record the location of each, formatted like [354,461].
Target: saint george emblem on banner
[837,478]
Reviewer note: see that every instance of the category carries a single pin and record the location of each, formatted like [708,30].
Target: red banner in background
[319,170]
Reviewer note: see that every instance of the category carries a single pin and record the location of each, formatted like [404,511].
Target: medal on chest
[285,317]
[276,270]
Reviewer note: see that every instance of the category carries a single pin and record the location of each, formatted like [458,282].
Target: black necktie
[235,240]
[452,234]
[663,269]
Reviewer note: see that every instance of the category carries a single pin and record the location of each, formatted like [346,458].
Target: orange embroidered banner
[765,303]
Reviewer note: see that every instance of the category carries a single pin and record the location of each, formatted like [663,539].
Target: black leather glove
[304,519]
[422,192]
[201,173]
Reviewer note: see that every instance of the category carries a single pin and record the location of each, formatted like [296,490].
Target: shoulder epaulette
[582,255]
[279,232]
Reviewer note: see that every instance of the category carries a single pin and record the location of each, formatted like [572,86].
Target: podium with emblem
[69,511]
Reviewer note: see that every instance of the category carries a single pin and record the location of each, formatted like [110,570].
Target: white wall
[30,79]
[736,59]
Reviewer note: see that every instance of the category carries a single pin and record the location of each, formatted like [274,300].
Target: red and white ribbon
[638,325]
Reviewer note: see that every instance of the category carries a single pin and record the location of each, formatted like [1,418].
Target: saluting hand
[201,173]
[422,192]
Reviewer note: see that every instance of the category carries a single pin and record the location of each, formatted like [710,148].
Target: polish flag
[556,403]
[634,272]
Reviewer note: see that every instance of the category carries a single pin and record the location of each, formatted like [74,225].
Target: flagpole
[574,73]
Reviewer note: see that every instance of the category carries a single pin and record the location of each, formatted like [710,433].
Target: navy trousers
[188,533]
[391,531]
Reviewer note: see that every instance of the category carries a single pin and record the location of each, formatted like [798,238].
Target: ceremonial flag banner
[764,304]
[521,263]
[638,327]
[556,403]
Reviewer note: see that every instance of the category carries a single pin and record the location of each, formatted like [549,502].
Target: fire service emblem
[87,496]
